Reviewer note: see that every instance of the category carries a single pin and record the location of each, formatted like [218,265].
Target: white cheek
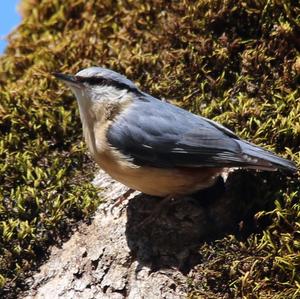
[106,93]
[80,96]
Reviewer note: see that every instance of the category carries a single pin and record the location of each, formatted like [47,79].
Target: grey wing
[158,134]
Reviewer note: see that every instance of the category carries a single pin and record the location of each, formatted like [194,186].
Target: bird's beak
[66,78]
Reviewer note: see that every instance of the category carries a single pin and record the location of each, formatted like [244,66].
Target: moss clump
[235,61]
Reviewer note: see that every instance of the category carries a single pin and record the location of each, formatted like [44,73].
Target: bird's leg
[122,198]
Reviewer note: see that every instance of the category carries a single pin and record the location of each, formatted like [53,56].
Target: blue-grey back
[158,134]
[151,130]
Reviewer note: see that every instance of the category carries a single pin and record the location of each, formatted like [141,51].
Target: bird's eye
[91,80]
[96,81]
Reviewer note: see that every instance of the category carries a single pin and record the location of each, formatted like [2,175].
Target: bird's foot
[121,199]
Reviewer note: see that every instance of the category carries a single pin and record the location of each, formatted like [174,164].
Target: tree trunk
[144,248]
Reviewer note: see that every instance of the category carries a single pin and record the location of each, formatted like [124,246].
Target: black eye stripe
[91,80]
[103,81]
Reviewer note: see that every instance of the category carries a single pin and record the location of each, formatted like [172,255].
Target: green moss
[234,61]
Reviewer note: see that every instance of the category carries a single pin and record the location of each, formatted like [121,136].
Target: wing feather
[158,134]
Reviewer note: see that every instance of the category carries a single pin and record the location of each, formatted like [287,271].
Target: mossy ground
[235,61]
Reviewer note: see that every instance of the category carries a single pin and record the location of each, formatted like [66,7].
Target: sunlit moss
[235,61]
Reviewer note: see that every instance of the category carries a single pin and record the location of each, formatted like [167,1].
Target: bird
[153,146]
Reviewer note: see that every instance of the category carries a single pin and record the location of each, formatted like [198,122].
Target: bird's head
[98,84]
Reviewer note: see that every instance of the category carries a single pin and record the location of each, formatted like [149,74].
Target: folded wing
[158,134]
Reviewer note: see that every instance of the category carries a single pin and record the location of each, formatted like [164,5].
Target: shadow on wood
[115,257]
[173,237]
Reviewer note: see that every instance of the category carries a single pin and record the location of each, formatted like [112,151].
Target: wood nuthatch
[153,146]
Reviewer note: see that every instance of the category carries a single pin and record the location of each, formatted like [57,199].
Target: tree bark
[122,255]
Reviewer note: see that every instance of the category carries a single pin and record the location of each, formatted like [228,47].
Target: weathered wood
[120,256]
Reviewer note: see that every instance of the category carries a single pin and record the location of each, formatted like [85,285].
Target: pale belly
[159,181]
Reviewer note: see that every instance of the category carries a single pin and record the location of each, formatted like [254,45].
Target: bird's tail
[262,159]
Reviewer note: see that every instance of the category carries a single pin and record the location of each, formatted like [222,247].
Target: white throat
[98,106]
